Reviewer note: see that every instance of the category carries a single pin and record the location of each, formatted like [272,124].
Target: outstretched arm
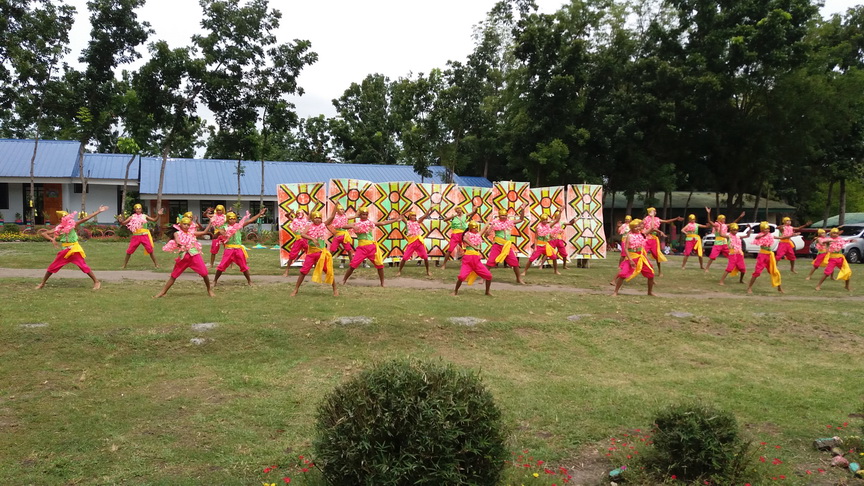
[123,221]
[708,211]
[151,218]
[808,223]
[425,215]
[254,218]
[521,214]
[88,218]
[332,215]
[739,217]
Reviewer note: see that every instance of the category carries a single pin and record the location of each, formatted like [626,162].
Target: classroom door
[52,201]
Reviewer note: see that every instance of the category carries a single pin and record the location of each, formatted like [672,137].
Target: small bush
[410,422]
[11,228]
[695,441]
[12,237]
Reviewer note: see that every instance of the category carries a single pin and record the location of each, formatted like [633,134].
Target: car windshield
[850,230]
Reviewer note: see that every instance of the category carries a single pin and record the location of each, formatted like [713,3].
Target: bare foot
[489,294]
[398,274]
[250,284]
[335,293]
[428,274]
[210,293]
[818,288]
[123,267]
[749,291]
[652,294]
[158,295]
[521,282]
[382,285]
[454,294]
[615,294]
[557,273]
[523,273]
[41,285]
[285,274]
[808,278]
[780,290]
[721,283]
[659,275]
[793,271]
[97,285]
[154,266]
[611,283]
[294,294]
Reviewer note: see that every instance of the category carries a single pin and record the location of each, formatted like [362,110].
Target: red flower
[776,461]
[764,443]
[539,463]
[674,477]
[761,458]
[828,426]
[301,457]
[777,447]
[821,470]
[809,472]
[287,480]
[266,470]
[305,469]
[782,477]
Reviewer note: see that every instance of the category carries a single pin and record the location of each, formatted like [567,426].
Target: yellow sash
[824,260]
[776,280]
[641,261]
[698,245]
[549,249]
[506,245]
[324,265]
[346,236]
[457,231]
[241,247]
[379,259]
[74,248]
[660,256]
[845,271]
[145,231]
[473,275]
[412,239]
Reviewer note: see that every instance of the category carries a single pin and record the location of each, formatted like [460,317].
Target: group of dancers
[640,239]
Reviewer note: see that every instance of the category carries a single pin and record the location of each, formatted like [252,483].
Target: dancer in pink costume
[66,232]
[472,267]
[235,252]
[542,245]
[458,225]
[651,225]
[721,237]
[502,248]
[185,242]
[765,260]
[785,248]
[836,259]
[692,240]
[367,246]
[137,224]
[635,262]
[821,252]
[736,263]
[298,222]
[416,244]
[318,256]
[217,223]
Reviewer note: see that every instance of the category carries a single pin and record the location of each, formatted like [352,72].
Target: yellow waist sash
[473,275]
[144,231]
[346,236]
[457,231]
[379,259]
[660,256]
[548,249]
[506,246]
[324,265]
[776,280]
[845,270]
[641,261]
[239,247]
[412,239]
[698,245]
[73,249]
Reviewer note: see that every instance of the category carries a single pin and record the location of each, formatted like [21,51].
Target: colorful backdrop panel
[439,200]
[306,197]
[546,200]
[585,206]
[512,196]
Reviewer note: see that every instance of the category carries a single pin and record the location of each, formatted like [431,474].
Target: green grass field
[108,387]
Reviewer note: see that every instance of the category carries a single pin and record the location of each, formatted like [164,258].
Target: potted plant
[1,218]
[18,218]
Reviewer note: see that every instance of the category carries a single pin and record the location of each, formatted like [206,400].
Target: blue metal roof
[219,177]
[108,166]
[54,158]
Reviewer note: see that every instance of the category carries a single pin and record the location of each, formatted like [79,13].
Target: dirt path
[404,283]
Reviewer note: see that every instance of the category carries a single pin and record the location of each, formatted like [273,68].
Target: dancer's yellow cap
[502,212]
[635,223]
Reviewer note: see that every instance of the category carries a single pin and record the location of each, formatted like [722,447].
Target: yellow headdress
[692,217]
[502,212]
[651,209]
[764,226]
[635,223]
[733,227]
[61,214]
[544,217]
[188,214]
[137,206]
[835,231]
[628,218]
[315,214]
[820,231]
[721,217]
[185,220]
[220,207]
[787,219]
[473,225]
[231,215]
[363,210]
[411,213]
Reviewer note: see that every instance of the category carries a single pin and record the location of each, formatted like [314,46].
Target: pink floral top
[231,230]
[721,229]
[299,224]
[340,220]
[835,245]
[67,224]
[765,241]
[624,228]
[498,225]
[543,232]
[651,223]
[735,243]
[557,232]
[820,244]
[218,220]
[363,229]
[414,228]
[183,242]
[473,240]
[318,234]
[786,231]
[635,242]
[690,228]
[136,222]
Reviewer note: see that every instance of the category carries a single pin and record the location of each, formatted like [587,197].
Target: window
[254,207]
[76,188]
[4,195]
[176,208]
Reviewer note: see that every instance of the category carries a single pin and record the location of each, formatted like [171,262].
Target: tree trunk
[239,174]
[32,215]
[717,201]
[827,212]
[612,231]
[842,217]
[125,184]
[165,149]
[758,200]
[83,177]
[629,204]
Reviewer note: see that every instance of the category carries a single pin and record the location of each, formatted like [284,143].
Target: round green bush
[11,228]
[410,422]
[696,440]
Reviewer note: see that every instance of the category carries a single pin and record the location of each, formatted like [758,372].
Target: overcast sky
[353,38]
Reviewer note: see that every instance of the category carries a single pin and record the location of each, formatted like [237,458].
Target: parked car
[747,241]
[854,249]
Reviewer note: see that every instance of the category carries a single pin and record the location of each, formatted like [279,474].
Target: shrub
[10,237]
[694,441]
[11,228]
[410,422]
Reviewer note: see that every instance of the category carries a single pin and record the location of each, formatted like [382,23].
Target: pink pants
[718,250]
[652,246]
[688,247]
[627,269]
[196,263]
[471,263]
[309,262]
[415,247]
[511,260]
[299,246]
[138,240]
[762,260]
[834,263]
[215,245]
[736,261]
[561,246]
[537,253]
[339,242]
[817,262]
[364,252]
[61,261]
[785,249]
[233,255]
[455,242]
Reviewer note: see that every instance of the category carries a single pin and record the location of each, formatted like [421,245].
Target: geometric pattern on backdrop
[511,196]
[585,203]
[307,197]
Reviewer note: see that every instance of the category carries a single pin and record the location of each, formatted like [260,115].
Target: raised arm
[808,223]
[254,218]
[739,217]
[521,214]
[425,215]
[88,218]
[708,212]
[332,215]
[121,220]
[151,218]
[389,221]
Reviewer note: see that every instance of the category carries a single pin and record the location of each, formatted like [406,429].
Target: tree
[363,131]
